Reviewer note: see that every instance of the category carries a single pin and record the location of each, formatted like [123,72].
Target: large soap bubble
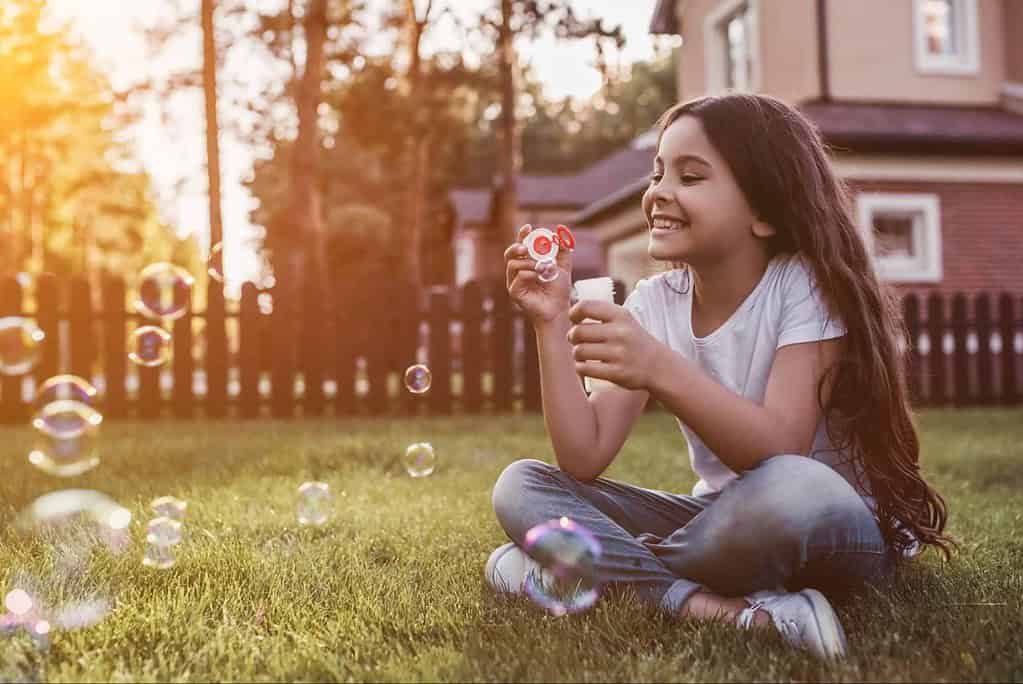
[20,343]
[568,554]
[164,291]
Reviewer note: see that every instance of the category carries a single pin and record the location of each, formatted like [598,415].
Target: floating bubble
[215,264]
[80,518]
[420,459]
[151,346]
[164,291]
[169,507]
[65,387]
[568,554]
[66,438]
[546,271]
[163,531]
[313,503]
[20,343]
[18,601]
[418,379]
[159,557]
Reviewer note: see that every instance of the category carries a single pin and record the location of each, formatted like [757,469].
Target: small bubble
[420,459]
[151,346]
[314,500]
[20,343]
[164,291]
[215,264]
[418,379]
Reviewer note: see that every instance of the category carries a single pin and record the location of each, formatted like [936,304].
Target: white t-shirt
[784,308]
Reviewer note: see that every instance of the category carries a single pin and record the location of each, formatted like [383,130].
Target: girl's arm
[741,432]
[586,433]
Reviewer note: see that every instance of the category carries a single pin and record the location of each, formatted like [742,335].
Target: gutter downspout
[822,50]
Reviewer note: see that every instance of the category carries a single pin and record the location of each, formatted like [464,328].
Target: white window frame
[967,63]
[927,268]
[715,63]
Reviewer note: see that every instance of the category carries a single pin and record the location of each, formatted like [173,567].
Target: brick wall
[981,234]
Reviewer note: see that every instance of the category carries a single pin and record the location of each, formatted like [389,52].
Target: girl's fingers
[594,352]
[524,231]
[514,251]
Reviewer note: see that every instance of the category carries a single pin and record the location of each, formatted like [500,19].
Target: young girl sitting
[775,346]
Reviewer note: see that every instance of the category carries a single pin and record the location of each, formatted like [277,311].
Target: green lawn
[391,588]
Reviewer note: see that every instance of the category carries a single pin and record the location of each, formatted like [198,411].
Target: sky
[172,147]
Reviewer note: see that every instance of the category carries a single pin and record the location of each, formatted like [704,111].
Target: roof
[921,129]
[593,183]
[472,206]
[665,20]
[881,128]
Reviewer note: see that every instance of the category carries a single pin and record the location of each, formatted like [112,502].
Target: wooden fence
[242,361]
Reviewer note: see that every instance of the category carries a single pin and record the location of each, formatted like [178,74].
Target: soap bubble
[65,387]
[20,343]
[18,601]
[420,459]
[163,531]
[158,557]
[163,291]
[314,499]
[169,507]
[568,554]
[215,264]
[546,271]
[151,346]
[80,518]
[418,379]
[66,435]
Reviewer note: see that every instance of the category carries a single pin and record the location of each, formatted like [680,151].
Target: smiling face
[695,210]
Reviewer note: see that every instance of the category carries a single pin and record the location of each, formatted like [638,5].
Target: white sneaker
[805,619]
[507,569]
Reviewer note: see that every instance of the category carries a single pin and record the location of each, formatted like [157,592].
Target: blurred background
[349,155]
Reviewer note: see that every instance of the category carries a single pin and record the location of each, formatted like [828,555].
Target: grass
[391,588]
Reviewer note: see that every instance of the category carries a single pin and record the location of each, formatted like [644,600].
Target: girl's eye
[690,178]
[656,176]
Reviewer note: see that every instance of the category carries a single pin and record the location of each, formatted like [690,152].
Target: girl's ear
[762,229]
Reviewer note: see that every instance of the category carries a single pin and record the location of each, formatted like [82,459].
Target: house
[543,200]
[924,98]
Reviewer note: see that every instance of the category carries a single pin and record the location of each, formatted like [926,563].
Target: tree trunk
[419,146]
[209,86]
[508,164]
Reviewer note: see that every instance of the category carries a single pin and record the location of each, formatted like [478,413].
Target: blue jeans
[788,523]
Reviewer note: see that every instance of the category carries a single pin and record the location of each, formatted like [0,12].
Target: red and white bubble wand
[543,245]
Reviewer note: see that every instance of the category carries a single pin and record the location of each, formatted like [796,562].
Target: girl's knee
[510,494]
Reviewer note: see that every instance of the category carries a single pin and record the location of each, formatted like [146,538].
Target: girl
[775,346]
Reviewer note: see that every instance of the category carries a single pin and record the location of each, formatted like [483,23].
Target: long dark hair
[781,165]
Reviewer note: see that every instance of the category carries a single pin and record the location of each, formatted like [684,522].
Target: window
[731,46]
[903,235]
[946,36]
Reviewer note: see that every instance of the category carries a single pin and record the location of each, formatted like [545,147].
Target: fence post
[936,360]
[282,342]
[1007,330]
[313,347]
[531,399]
[961,357]
[216,352]
[80,315]
[184,365]
[347,344]
[985,376]
[911,318]
[12,410]
[440,353]
[375,351]
[504,351]
[115,348]
[47,318]
[406,320]
[248,351]
[472,348]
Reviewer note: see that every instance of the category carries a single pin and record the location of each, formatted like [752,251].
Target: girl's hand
[542,302]
[615,348]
